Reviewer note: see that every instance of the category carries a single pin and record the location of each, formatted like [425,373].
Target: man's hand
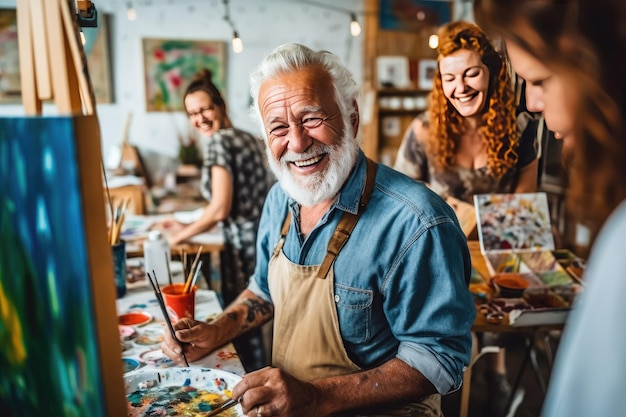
[273,392]
[197,338]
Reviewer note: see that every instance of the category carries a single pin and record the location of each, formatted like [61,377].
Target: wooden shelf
[402,92]
[400,112]
[382,139]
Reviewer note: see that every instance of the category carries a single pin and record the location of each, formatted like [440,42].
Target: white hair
[291,57]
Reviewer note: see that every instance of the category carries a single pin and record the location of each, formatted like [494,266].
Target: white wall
[262,24]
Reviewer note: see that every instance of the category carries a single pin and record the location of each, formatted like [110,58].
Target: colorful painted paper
[170,65]
[513,222]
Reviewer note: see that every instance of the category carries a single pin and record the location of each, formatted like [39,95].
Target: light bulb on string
[355,27]
[83,39]
[237,43]
[131,13]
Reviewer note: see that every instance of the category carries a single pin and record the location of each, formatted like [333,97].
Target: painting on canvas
[513,222]
[169,65]
[96,49]
[9,57]
[51,357]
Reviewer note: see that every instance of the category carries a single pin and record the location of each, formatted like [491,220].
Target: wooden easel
[52,60]
[53,67]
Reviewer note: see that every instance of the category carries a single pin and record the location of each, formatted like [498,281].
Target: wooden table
[135,231]
[142,352]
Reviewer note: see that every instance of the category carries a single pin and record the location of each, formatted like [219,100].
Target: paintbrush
[169,272]
[192,271]
[159,296]
[219,408]
[193,280]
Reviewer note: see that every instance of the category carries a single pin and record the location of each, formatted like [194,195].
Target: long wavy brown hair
[584,39]
[498,128]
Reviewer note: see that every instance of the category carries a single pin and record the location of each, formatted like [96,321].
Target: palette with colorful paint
[180,391]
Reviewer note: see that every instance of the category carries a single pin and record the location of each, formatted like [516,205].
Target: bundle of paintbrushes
[193,273]
[117,220]
[157,292]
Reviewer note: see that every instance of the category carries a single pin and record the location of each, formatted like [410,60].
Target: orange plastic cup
[177,304]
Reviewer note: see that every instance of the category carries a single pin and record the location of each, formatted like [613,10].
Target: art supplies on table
[515,235]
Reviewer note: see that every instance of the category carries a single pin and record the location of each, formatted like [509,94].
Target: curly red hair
[498,128]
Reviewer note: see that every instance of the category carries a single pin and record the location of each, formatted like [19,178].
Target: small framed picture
[393,72]
[426,73]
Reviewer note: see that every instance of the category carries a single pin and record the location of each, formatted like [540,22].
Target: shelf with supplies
[402,102]
[396,110]
[397,79]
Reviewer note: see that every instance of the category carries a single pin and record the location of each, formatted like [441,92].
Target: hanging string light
[131,13]
[237,43]
[355,27]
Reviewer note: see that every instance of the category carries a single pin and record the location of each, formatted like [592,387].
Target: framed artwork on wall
[96,49]
[10,90]
[414,15]
[426,73]
[393,72]
[170,64]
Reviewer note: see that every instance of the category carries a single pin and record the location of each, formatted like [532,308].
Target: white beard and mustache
[309,190]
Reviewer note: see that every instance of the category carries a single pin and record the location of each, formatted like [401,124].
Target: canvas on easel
[60,352]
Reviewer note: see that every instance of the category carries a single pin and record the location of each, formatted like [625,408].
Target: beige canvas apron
[307,341]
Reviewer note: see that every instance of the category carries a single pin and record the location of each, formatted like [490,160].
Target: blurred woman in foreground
[571,55]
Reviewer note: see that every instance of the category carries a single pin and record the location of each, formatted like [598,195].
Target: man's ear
[354,119]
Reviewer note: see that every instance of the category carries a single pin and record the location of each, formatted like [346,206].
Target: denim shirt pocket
[354,309]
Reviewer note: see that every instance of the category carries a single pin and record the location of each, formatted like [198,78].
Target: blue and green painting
[48,347]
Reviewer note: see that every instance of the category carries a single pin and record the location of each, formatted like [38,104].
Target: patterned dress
[242,155]
[462,183]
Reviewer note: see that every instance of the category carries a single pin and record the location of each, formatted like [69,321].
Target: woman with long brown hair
[571,53]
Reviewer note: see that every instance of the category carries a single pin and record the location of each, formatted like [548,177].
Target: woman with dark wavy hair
[571,54]
[470,141]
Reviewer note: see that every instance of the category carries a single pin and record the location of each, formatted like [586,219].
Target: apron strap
[347,223]
[283,234]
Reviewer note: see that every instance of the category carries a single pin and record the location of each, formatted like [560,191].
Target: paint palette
[180,391]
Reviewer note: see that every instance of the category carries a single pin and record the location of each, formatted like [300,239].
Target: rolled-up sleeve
[429,305]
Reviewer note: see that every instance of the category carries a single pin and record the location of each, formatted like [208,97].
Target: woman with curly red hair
[470,142]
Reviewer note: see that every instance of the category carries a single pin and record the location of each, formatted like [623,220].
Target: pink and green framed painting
[170,64]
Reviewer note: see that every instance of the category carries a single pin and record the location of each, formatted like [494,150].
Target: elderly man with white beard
[364,271]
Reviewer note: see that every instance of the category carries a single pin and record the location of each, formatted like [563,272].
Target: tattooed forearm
[257,308]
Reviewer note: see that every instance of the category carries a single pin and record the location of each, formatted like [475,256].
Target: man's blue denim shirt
[401,280]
